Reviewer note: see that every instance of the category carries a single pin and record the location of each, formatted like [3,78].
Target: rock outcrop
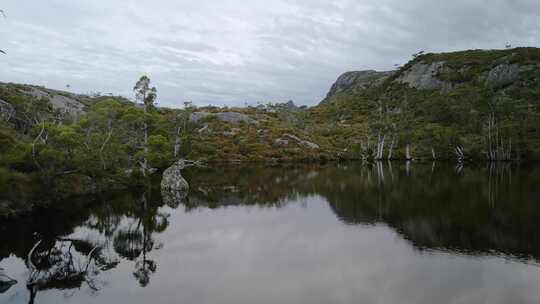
[65,102]
[301,142]
[174,187]
[228,117]
[7,111]
[198,116]
[502,75]
[444,74]
[289,105]
[424,76]
[355,82]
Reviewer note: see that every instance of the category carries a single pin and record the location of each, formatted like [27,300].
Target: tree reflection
[135,241]
[69,249]
[474,210]
[477,211]
[65,264]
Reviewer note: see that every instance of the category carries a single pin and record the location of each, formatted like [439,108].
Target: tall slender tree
[147,96]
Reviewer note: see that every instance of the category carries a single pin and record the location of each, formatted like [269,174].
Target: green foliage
[442,120]
[160,151]
[108,140]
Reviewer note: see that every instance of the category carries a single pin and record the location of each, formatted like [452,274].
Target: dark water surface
[289,234]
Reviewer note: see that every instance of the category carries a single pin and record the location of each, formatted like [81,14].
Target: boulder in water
[174,187]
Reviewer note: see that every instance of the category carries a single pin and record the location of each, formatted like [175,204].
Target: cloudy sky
[236,51]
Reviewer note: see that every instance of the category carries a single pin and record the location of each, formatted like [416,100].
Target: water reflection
[69,247]
[84,245]
[436,206]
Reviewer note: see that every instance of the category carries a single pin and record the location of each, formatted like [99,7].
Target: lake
[333,233]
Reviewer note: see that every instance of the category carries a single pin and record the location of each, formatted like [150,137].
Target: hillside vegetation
[478,105]
[471,105]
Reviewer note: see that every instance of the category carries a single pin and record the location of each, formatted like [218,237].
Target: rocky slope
[356,82]
[492,69]
[68,103]
[470,105]
[485,102]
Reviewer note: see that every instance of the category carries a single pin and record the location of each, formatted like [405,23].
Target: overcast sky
[235,51]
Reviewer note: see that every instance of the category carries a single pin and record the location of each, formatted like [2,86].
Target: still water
[289,234]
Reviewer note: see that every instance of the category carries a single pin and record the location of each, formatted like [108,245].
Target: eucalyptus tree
[183,125]
[100,125]
[147,96]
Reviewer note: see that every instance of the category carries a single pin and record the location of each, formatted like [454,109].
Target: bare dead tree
[408,156]
[460,154]
[498,148]
[36,139]
[391,148]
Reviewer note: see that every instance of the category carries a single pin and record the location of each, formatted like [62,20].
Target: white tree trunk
[144,163]
[380,148]
[408,152]
[391,148]
[109,134]
[35,141]
[177,143]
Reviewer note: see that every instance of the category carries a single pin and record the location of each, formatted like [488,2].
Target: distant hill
[481,104]
[499,71]
[464,106]
[63,101]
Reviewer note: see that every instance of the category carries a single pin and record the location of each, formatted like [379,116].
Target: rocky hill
[68,103]
[356,82]
[481,104]
[496,70]
[473,105]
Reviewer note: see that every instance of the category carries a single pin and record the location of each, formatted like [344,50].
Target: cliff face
[493,70]
[356,82]
[484,101]
[69,104]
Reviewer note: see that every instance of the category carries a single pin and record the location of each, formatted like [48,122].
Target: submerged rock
[174,187]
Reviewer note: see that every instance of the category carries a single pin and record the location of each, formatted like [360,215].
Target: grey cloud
[233,51]
[182,45]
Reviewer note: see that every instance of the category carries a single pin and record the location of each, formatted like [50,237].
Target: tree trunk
[109,134]
[380,147]
[408,152]
[144,163]
[391,148]
[460,154]
[381,152]
[34,143]
[177,143]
